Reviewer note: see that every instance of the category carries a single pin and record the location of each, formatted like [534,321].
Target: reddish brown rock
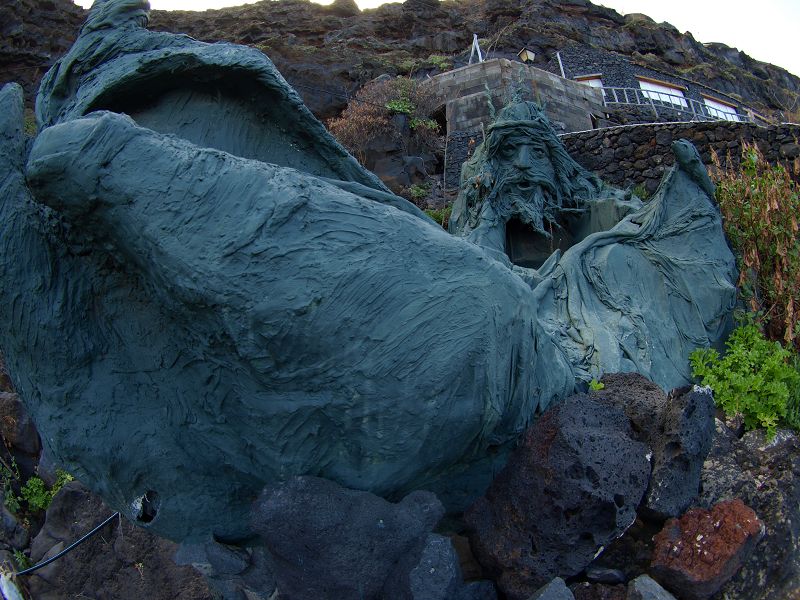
[697,553]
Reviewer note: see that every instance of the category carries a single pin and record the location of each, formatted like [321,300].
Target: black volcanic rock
[570,488]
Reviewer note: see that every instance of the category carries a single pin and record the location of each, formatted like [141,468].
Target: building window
[595,81]
[721,110]
[663,92]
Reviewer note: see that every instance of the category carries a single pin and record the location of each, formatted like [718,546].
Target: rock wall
[33,34]
[637,155]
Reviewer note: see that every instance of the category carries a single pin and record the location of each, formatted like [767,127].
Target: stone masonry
[639,155]
[466,92]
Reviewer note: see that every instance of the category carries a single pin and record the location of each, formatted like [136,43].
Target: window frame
[665,93]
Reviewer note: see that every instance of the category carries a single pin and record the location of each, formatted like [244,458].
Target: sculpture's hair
[480,174]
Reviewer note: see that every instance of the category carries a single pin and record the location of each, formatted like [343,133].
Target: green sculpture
[201,292]
[523,195]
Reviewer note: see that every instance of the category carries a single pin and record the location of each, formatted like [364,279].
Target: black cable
[68,548]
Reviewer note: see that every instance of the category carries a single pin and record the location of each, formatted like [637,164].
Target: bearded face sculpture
[202,292]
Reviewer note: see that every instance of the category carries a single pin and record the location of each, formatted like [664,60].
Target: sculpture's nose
[522,157]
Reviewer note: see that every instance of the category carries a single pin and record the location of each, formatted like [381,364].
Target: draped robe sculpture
[202,292]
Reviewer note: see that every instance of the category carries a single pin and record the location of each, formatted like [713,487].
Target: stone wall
[638,155]
[571,106]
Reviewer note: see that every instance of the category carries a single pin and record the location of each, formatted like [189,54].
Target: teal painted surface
[207,294]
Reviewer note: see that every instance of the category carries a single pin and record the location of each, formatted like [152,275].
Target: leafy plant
[640,191]
[419,191]
[36,494]
[401,105]
[755,378]
[23,562]
[429,124]
[30,123]
[440,215]
[407,65]
[369,115]
[760,204]
[596,386]
[9,477]
[443,63]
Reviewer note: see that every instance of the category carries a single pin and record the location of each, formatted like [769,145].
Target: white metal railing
[666,105]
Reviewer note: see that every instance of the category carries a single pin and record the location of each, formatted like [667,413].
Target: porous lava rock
[555,590]
[5,380]
[697,553]
[19,434]
[645,587]
[231,571]
[598,591]
[765,474]
[679,429]
[121,561]
[571,487]
[327,541]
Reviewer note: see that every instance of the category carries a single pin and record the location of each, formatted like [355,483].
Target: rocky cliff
[328,52]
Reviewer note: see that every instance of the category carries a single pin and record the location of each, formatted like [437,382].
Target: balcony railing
[668,106]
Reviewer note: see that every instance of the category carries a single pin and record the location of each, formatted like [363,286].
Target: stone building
[637,93]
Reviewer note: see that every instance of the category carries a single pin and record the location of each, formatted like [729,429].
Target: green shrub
[596,386]
[36,494]
[401,105]
[417,123]
[760,204]
[23,562]
[440,215]
[419,192]
[370,113]
[756,378]
[443,63]
[9,478]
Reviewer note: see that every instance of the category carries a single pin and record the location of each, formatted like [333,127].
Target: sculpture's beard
[532,200]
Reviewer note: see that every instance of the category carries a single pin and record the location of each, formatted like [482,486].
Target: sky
[767,30]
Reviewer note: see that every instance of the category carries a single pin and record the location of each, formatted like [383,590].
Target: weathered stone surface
[477,590]
[679,429]
[599,574]
[5,380]
[630,553]
[555,590]
[232,572]
[652,144]
[122,561]
[696,554]
[598,591]
[12,532]
[328,541]
[572,486]
[646,588]
[436,576]
[16,426]
[765,474]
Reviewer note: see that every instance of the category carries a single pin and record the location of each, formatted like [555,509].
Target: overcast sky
[768,30]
